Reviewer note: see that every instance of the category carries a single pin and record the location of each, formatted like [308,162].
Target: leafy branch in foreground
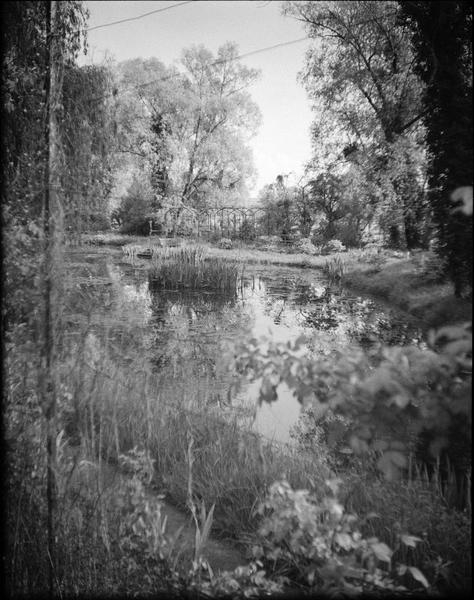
[316,543]
[389,394]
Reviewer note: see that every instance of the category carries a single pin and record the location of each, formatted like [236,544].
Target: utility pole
[50,212]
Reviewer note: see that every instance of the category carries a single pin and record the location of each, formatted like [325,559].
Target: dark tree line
[442,41]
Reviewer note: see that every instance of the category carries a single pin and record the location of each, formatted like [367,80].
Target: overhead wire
[138,86]
[152,12]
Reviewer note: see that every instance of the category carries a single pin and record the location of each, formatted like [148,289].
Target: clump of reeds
[139,250]
[189,268]
[335,268]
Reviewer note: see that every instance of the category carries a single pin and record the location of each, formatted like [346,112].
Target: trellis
[226,221]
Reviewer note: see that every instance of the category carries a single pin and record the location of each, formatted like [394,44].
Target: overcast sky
[282,144]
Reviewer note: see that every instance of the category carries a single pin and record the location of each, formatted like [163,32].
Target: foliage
[247,230]
[442,42]
[278,213]
[305,245]
[316,543]
[335,268]
[367,101]
[390,394]
[135,207]
[333,246]
[225,243]
[190,129]
[188,268]
[25,65]
[88,145]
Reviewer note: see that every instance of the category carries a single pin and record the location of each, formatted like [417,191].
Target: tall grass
[335,268]
[199,457]
[188,268]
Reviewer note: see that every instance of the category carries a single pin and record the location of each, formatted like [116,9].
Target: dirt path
[221,555]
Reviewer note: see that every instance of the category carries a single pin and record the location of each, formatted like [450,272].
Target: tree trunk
[50,212]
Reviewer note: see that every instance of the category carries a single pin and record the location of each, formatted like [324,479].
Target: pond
[190,339]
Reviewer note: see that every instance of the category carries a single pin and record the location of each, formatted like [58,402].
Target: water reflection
[189,339]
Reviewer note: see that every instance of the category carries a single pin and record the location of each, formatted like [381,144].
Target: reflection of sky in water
[134,298]
[190,339]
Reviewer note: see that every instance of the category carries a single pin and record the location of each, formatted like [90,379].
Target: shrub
[333,246]
[135,208]
[99,222]
[247,231]
[225,243]
[315,543]
[305,246]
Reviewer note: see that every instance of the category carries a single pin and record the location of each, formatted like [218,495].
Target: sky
[282,144]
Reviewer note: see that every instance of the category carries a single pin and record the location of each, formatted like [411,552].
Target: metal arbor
[225,221]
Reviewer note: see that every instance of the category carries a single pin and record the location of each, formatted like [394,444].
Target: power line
[152,12]
[214,63]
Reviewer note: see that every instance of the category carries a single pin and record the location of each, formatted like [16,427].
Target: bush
[99,222]
[135,208]
[333,246]
[305,246]
[312,540]
[225,243]
[247,231]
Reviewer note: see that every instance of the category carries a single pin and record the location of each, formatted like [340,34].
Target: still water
[190,339]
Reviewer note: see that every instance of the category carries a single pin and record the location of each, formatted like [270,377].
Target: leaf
[268,391]
[382,551]
[418,575]
[463,194]
[401,570]
[410,540]
[344,540]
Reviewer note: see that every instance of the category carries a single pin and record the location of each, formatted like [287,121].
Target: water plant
[189,268]
[335,268]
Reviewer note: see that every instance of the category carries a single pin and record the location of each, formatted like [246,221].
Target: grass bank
[403,283]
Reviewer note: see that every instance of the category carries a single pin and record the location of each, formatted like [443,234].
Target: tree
[278,203]
[361,80]
[193,125]
[326,193]
[135,208]
[88,144]
[442,41]
[40,39]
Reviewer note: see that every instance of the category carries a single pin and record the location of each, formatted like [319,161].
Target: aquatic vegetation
[335,268]
[141,250]
[189,268]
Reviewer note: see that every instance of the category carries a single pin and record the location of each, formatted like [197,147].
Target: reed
[335,268]
[189,268]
